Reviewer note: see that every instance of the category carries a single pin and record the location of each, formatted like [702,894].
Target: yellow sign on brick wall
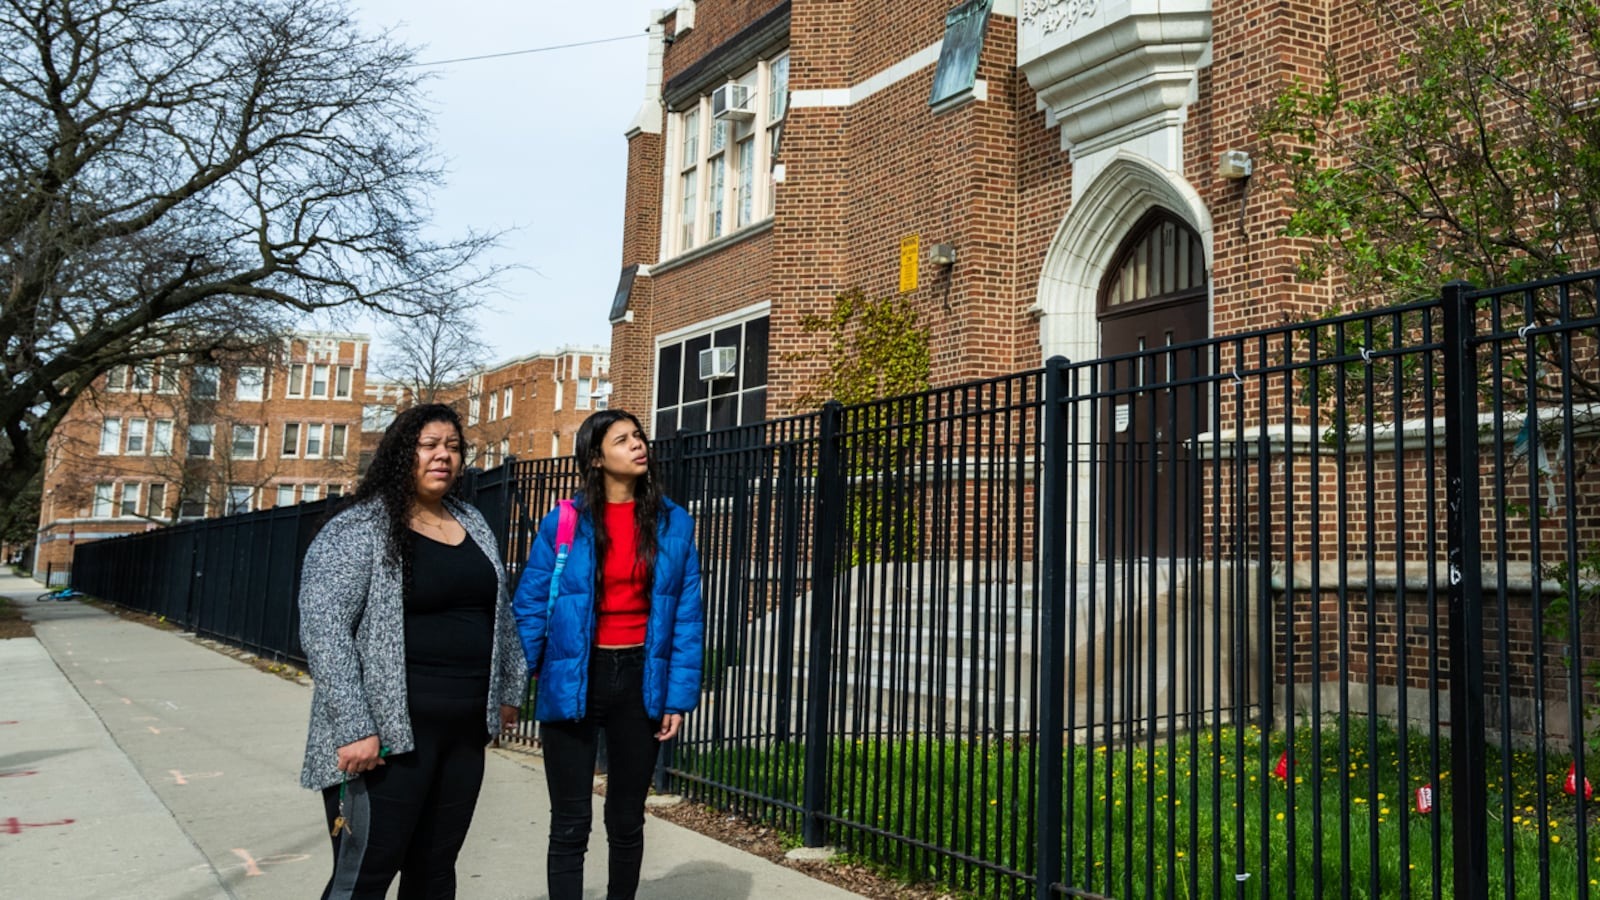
[909,251]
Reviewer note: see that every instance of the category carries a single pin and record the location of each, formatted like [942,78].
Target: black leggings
[616,703]
[410,816]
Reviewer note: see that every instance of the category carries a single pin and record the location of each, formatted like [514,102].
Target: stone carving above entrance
[1053,15]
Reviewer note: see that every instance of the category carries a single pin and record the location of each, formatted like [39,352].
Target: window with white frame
[110,437]
[200,441]
[117,378]
[583,390]
[161,438]
[136,436]
[336,436]
[245,438]
[335,490]
[203,381]
[494,406]
[196,500]
[144,377]
[240,497]
[505,404]
[313,441]
[251,383]
[297,380]
[505,448]
[310,492]
[130,499]
[103,494]
[729,389]
[285,495]
[291,439]
[602,393]
[722,164]
[319,381]
[341,382]
[155,505]
[167,379]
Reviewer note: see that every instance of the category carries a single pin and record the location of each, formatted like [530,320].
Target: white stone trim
[648,120]
[753,311]
[850,96]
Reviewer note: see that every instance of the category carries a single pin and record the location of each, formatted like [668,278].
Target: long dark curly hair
[392,476]
[648,501]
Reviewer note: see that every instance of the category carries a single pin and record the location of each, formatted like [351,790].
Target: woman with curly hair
[615,643]
[406,622]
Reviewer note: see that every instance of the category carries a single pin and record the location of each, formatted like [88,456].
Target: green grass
[1182,818]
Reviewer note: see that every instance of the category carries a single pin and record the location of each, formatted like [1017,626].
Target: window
[102,500]
[168,381]
[336,441]
[285,495]
[130,499]
[252,380]
[687,403]
[505,404]
[335,490]
[161,438]
[156,501]
[602,393]
[297,380]
[244,441]
[313,441]
[239,499]
[110,436]
[117,378]
[195,501]
[203,382]
[505,448]
[721,166]
[561,390]
[144,377]
[957,72]
[319,381]
[582,400]
[341,383]
[200,441]
[555,444]
[309,493]
[291,438]
[136,435]
[493,405]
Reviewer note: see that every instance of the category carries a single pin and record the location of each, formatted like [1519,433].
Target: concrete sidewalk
[137,763]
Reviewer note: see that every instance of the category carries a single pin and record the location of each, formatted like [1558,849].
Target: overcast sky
[534,143]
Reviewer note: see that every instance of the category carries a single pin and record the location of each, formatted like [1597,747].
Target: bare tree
[198,175]
[433,350]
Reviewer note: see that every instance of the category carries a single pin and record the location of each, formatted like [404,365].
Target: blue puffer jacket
[557,638]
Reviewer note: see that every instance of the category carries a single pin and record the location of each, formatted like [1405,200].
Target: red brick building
[1038,177]
[530,407]
[178,439]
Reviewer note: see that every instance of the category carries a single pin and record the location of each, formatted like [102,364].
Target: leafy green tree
[196,176]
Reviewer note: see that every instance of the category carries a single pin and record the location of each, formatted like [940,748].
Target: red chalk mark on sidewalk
[13,825]
[183,777]
[250,868]
[10,722]
[155,730]
[21,773]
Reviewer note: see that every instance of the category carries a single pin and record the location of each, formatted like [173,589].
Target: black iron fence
[1308,611]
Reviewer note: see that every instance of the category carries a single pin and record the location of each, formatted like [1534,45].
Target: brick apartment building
[175,440]
[530,407]
[1038,177]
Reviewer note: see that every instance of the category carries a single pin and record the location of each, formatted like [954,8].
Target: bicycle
[65,593]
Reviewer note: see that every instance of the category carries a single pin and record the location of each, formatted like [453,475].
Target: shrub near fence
[1030,637]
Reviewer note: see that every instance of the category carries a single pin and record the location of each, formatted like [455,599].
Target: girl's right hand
[360,756]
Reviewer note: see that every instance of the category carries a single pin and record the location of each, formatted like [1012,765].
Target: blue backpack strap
[566,527]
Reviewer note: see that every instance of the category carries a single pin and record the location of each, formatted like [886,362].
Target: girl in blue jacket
[615,644]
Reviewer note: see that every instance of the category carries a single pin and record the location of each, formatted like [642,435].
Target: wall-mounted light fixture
[942,254]
[1234,165]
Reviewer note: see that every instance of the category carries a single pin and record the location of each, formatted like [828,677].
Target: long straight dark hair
[648,501]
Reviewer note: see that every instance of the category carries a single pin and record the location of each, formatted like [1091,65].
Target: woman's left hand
[509,717]
[670,723]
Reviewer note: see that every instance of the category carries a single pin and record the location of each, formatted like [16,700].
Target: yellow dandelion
[1280,817]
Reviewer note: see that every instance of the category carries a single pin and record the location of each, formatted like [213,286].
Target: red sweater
[624,597]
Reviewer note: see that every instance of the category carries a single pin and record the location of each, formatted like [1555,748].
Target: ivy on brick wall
[875,349]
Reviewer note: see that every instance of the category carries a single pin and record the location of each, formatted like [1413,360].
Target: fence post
[1469,764]
[826,524]
[1052,626]
[788,582]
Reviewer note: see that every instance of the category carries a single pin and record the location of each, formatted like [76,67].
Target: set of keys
[340,822]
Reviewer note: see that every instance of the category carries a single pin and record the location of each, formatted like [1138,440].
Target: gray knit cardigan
[352,626]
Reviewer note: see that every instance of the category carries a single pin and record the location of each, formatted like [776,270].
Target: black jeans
[616,704]
[410,816]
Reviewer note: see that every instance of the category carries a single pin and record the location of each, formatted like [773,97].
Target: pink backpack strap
[566,525]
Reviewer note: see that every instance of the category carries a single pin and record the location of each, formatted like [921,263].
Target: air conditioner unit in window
[732,102]
[717,363]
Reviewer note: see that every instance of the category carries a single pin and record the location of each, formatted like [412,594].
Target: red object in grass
[1571,784]
[1282,768]
[1425,799]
